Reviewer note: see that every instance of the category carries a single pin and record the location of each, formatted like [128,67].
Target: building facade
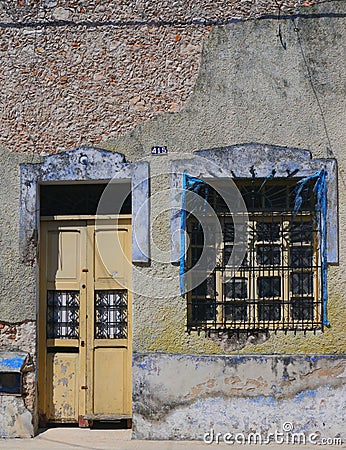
[172,217]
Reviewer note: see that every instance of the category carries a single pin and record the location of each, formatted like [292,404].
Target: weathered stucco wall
[185,396]
[18,282]
[80,72]
[18,412]
[250,88]
[17,277]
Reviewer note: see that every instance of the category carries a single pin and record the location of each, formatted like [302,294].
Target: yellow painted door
[109,339]
[85,320]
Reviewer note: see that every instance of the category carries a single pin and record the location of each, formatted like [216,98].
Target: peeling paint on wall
[16,421]
[182,397]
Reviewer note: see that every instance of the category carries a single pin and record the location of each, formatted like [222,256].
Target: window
[70,199]
[278,283]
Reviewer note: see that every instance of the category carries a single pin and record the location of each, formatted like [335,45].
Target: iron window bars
[278,284]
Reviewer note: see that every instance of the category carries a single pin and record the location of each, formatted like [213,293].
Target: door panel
[62,377]
[61,320]
[110,339]
[85,320]
[109,241]
[110,380]
[64,253]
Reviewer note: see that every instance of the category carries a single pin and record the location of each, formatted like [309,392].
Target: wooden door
[85,320]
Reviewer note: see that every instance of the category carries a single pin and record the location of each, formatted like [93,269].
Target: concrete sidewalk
[76,438]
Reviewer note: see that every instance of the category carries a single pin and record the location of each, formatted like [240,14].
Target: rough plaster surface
[250,88]
[80,72]
[18,414]
[17,280]
[16,420]
[16,336]
[128,11]
[183,397]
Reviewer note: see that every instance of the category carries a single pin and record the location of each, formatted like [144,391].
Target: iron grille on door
[111,314]
[62,314]
[277,285]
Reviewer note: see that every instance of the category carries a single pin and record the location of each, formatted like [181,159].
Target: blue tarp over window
[195,185]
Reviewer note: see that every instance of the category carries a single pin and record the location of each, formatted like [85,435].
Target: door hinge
[85,270]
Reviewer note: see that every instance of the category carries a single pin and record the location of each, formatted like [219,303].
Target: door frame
[81,165]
